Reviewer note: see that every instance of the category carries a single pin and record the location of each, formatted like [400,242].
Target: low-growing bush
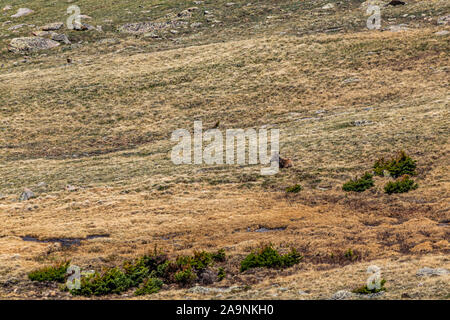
[48,274]
[359,185]
[109,281]
[186,276]
[398,166]
[366,290]
[270,258]
[221,274]
[219,256]
[294,189]
[401,185]
[150,285]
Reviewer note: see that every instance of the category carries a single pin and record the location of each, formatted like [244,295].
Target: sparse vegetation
[49,274]
[359,185]
[99,114]
[401,185]
[268,257]
[294,189]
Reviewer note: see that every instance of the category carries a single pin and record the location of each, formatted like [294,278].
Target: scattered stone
[41,185]
[153,35]
[82,26]
[359,123]
[61,38]
[27,194]
[16,27]
[196,24]
[29,44]
[71,188]
[443,20]
[302,293]
[6,8]
[43,34]
[207,277]
[198,2]
[342,295]
[83,16]
[145,27]
[205,290]
[370,295]
[109,41]
[442,33]
[22,12]
[432,272]
[351,80]
[229,4]
[52,26]
[328,6]
[399,27]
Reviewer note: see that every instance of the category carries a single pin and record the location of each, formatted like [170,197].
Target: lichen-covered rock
[29,44]
[145,27]
[432,272]
[52,26]
[27,194]
[22,12]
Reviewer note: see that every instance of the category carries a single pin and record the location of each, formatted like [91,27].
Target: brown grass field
[103,124]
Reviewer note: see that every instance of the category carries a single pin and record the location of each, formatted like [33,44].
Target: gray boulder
[22,12]
[27,194]
[29,44]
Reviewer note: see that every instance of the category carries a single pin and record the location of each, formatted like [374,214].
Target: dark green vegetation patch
[268,257]
[294,189]
[404,184]
[359,185]
[398,166]
[48,274]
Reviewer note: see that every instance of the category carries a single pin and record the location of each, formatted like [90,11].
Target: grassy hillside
[342,96]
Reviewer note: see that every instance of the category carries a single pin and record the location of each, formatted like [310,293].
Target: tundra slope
[341,97]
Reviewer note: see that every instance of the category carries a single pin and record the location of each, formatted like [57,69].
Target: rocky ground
[86,115]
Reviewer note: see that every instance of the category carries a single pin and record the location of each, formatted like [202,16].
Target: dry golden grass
[103,124]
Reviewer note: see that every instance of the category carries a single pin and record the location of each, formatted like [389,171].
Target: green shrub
[270,258]
[366,290]
[401,185]
[54,273]
[201,260]
[185,277]
[219,255]
[110,281]
[150,285]
[350,255]
[221,274]
[359,185]
[397,166]
[146,273]
[294,189]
